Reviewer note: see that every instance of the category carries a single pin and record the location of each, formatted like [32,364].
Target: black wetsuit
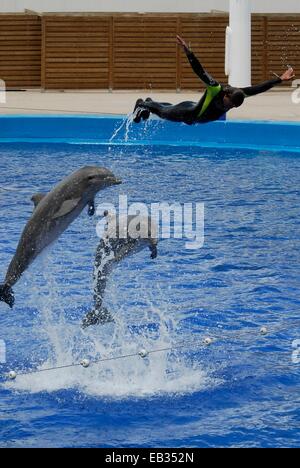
[210,107]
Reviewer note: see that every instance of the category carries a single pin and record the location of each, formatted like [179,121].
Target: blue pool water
[243,390]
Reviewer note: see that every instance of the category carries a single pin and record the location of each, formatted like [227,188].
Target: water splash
[150,327]
[127,122]
[117,131]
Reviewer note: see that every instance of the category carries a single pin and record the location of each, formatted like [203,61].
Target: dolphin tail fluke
[97,317]
[7,295]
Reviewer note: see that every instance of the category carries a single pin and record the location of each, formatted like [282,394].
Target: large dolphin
[113,247]
[53,213]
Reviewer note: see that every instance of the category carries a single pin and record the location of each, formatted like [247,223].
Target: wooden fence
[20,50]
[133,51]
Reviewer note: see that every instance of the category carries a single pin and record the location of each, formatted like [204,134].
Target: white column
[238,44]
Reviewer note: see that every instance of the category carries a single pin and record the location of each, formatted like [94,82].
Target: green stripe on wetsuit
[211,93]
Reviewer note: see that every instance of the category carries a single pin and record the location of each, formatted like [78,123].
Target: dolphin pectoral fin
[37,197]
[153,249]
[66,208]
[97,317]
[7,295]
[91,210]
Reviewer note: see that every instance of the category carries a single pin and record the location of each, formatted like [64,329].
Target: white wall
[258,6]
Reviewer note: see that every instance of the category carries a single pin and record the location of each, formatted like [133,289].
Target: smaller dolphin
[113,247]
[53,213]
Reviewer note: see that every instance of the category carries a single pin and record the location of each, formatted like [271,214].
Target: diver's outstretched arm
[266,85]
[196,65]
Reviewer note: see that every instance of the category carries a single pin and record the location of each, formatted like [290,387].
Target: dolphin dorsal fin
[37,198]
[66,207]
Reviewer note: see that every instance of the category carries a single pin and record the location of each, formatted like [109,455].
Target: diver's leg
[142,112]
[139,112]
[182,112]
[186,111]
[143,109]
[161,103]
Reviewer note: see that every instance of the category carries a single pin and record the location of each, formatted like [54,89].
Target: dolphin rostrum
[140,232]
[53,213]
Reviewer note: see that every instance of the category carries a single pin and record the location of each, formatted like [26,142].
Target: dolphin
[140,233]
[53,213]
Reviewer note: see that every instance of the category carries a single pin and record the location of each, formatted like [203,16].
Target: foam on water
[130,377]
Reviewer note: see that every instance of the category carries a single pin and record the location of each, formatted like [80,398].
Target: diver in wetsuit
[216,101]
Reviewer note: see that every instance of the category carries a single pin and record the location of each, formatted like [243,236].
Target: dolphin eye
[91,177]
